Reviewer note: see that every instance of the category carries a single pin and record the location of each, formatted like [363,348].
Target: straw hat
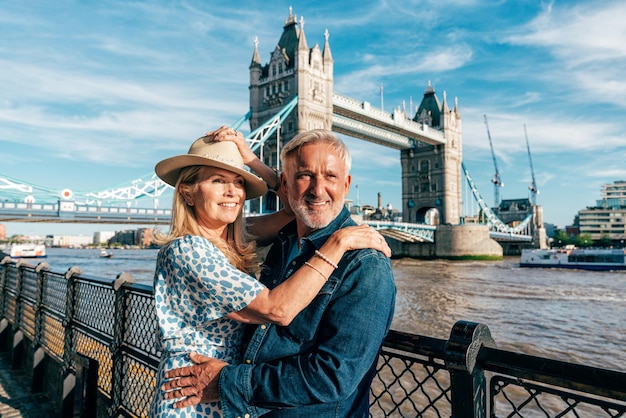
[205,151]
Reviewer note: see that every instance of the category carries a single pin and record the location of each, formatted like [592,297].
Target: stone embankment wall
[451,242]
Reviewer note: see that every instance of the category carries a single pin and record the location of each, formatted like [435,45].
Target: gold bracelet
[306,263]
[326,259]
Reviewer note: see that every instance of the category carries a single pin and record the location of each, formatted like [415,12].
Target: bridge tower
[294,69]
[431,174]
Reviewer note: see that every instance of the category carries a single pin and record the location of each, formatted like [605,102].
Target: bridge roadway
[394,130]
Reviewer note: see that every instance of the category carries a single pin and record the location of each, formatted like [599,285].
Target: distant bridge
[72,212]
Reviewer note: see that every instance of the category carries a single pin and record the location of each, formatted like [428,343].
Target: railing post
[17,346]
[68,321]
[38,355]
[119,331]
[4,324]
[69,380]
[86,392]
[468,383]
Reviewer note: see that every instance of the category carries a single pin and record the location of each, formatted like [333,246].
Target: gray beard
[303,214]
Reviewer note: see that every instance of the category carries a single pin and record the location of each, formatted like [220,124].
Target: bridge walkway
[16,399]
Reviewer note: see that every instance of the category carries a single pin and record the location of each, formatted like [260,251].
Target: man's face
[317,184]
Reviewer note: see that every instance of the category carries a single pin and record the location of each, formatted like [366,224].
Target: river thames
[571,315]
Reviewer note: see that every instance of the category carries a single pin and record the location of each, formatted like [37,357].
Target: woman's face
[217,197]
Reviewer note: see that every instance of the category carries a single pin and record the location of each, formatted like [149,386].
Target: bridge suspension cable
[18,190]
[260,134]
[495,224]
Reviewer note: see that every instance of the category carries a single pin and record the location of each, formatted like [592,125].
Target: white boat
[104,253]
[28,251]
[575,258]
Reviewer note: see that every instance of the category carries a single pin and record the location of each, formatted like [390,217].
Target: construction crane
[533,185]
[497,182]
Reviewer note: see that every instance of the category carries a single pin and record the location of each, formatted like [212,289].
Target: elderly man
[322,364]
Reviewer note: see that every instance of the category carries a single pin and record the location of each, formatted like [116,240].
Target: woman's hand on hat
[225,133]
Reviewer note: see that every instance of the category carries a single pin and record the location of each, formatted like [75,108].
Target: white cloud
[588,41]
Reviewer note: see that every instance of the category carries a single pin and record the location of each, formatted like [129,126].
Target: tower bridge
[293,93]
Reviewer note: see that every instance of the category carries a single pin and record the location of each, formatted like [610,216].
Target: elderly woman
[203,287]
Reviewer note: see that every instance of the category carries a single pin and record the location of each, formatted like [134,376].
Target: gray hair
[314,136]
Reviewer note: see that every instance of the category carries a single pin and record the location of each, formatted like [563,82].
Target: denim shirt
[322,364]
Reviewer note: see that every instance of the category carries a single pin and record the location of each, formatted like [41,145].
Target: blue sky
[94,93]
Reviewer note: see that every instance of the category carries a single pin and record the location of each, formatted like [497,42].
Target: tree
[583,240]
[605,241]
[561,239]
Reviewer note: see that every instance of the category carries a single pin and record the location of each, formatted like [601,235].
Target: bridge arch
[428,215]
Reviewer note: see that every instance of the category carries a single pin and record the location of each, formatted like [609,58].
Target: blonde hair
[237,247]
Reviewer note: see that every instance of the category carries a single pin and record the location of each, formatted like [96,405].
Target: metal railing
[91,345]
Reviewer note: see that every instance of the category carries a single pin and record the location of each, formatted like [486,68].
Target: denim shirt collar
[288,236]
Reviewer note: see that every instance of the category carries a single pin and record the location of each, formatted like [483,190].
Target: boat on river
[575,258]
[28,251]
[105,254]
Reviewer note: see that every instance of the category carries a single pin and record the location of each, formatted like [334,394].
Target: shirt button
[248,361]
[293,263]
[263,326]
[246,416]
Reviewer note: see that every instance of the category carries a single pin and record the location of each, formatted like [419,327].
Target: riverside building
[608,218]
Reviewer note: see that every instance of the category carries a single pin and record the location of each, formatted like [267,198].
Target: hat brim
[169,170]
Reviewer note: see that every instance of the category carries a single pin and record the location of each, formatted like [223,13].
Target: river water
[570,315]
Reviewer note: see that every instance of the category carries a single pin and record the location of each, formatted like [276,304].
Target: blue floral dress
[195,287]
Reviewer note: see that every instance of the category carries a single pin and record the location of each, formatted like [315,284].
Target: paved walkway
[15,397]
